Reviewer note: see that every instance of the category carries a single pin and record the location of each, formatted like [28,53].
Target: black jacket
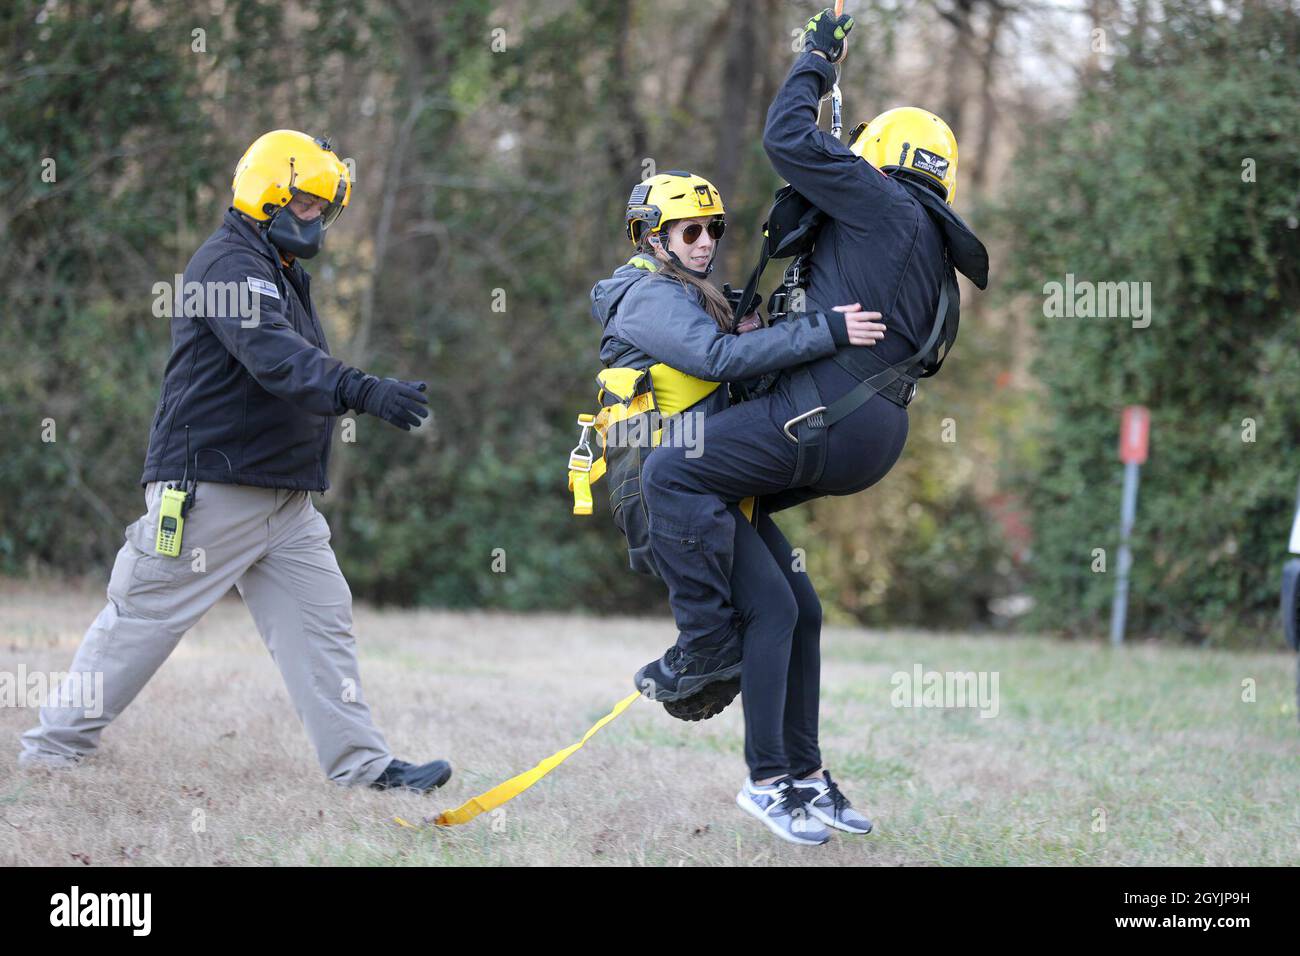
[878,245]
[262,392]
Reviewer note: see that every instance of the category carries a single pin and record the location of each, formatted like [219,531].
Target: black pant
[781,678]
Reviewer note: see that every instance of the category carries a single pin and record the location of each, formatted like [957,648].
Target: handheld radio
[177,502]
[171,522]
[171,511]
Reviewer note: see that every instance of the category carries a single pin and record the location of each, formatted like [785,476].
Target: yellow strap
[617,413]
[580,485]
[580,481]
[747,509]
[503,792]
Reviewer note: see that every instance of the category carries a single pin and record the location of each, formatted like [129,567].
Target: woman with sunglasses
[660,308]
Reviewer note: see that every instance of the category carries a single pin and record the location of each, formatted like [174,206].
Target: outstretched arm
[661,318]
[824,170]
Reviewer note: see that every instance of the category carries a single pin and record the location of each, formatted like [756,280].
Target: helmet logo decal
[928,162]
[639,193]
[703,197]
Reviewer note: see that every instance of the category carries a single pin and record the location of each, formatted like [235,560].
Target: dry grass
[1159,738]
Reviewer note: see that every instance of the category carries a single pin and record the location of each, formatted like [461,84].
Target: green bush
[1150,180]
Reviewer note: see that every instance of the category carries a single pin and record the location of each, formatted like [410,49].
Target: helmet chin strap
[658,241]
[695,272]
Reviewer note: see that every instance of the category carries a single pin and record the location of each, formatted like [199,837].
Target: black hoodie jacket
[262,390]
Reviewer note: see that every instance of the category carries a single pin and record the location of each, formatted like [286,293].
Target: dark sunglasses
[691,234]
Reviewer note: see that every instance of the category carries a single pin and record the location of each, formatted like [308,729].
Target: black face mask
[293,236]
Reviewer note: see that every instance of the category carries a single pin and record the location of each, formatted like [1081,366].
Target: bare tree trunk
[360,352]
[988,104]
[960,56]
[733,128]
[632,143]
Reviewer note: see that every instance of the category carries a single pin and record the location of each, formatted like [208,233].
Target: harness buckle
[797,419]
[793,275]
[580,458]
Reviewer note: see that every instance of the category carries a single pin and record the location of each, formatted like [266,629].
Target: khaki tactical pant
[273,545]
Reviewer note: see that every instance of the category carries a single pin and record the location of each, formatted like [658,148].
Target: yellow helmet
[912,139]
[672,195]
[283,162]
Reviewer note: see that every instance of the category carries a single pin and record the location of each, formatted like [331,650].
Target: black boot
[682,672]
[422,779]
[709,701]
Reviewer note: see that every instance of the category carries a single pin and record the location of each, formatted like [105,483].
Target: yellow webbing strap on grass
[504,792]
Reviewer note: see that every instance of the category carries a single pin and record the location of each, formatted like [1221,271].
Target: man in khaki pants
[243,428]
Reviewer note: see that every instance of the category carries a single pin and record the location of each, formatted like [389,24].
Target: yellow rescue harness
[625,394]
[638,397]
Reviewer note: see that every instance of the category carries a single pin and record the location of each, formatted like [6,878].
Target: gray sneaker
[781,809]
[827,804]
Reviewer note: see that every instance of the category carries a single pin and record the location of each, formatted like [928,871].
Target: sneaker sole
[747,805]
[688,686]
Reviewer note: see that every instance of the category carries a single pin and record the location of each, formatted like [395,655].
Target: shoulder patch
[262,287]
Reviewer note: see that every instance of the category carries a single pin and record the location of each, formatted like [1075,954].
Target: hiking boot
[680,673]
[831,807]
[401,775]
[709,701]
[780,807]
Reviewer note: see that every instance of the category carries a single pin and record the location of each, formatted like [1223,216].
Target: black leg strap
[808,428]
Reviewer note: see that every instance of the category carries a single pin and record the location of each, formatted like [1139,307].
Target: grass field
[1147,756]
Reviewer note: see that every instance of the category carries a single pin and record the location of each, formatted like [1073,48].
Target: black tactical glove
[826,32]
[711,700]
[400,403]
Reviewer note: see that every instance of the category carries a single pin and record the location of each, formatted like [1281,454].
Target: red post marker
[1135,429]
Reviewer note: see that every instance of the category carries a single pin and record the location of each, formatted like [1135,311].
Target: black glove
[826,32]
[400,403]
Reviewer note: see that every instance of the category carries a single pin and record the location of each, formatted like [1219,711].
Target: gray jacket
[649,318]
